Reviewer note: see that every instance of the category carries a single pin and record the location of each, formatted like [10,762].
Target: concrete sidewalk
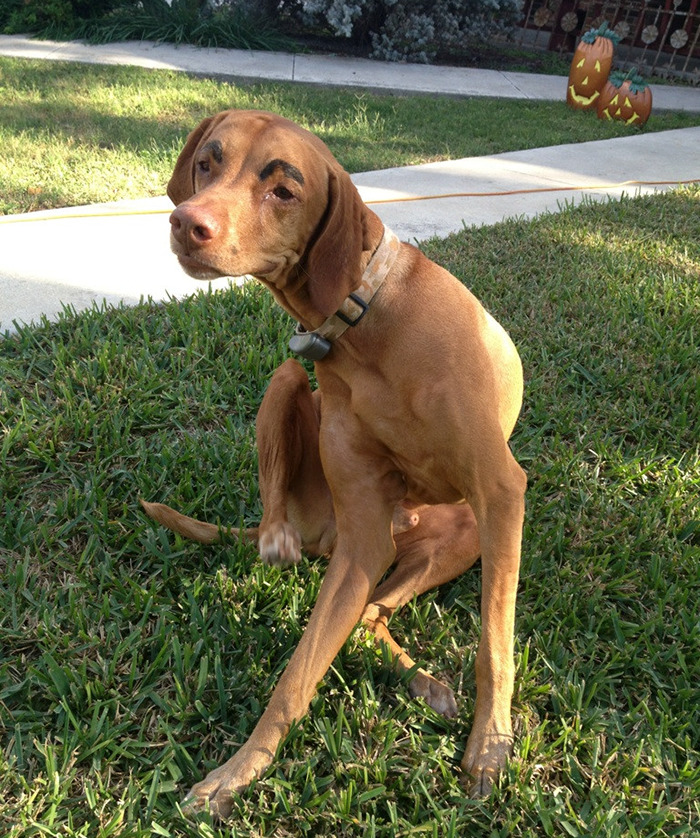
[325,70]
[120,252]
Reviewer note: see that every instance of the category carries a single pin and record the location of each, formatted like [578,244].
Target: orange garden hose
[535,190]
[117,213]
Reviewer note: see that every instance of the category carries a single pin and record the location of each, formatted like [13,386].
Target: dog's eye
[282,193]
[203,166]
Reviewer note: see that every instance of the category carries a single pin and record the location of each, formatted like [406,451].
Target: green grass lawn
[72,134]
[131,662]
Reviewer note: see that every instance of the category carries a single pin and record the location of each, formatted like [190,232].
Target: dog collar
[316,345]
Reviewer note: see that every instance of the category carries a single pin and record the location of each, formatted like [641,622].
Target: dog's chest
[402,424]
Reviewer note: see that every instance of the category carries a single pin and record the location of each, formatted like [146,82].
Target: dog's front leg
[500,516]
[353,572]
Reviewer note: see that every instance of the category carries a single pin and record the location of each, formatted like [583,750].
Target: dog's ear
[181,185]
[333,260]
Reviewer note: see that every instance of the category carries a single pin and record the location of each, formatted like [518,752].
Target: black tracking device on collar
[309,345]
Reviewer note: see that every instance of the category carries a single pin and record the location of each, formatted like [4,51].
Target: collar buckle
[363,306]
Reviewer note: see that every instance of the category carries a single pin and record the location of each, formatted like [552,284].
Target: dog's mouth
[199,268]
[202,270]
[196,268]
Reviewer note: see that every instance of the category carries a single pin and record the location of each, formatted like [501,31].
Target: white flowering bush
[409,30]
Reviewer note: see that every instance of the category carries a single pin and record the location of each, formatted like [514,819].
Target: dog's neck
[316,344]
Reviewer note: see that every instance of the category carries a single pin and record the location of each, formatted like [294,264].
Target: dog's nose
[193,226]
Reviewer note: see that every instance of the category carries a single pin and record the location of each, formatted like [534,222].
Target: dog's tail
[192,528]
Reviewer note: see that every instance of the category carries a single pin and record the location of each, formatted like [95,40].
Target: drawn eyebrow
[287,168]
[215,148]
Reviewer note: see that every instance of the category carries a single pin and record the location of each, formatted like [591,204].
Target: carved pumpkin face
[626,101]
[589,72]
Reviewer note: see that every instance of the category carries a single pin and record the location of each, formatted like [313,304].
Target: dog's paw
[486,756]
[215,793]
[279,544]
[436,694]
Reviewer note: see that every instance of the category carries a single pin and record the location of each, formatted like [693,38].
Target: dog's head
[257,194]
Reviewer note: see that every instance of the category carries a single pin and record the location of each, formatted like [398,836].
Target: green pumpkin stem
[603,31]
[618,77]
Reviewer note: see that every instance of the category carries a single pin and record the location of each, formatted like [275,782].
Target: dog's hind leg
[297,504]
[443,544]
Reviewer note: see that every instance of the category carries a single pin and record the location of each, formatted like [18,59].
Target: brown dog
[400,458]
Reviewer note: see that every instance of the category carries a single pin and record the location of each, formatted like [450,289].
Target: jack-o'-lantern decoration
[590,67]
[625,97]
